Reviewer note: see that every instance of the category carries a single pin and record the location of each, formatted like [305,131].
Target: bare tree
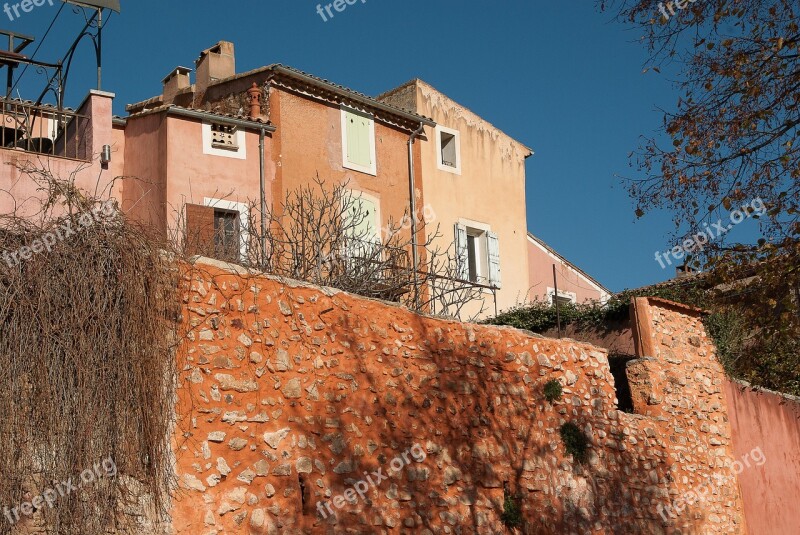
[330,236]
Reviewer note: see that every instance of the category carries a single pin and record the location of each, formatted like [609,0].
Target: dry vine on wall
[87,333]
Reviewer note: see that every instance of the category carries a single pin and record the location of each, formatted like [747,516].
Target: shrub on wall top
[552,391]
[575,441]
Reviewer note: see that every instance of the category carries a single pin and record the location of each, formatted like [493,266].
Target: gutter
[221,119]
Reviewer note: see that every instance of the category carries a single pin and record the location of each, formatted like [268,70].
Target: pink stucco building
[197,161]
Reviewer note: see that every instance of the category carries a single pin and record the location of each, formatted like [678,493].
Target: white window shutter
[494,260]
[462,252]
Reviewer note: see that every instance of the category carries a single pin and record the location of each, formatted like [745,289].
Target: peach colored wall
[769,422]
[145,172]
[18,189]
[308,142]
[117,166]
[166,168]
[490,189]
[289,393]
[540,275]
[192,175]
[310,137]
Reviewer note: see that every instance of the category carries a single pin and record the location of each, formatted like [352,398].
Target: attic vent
[224,137]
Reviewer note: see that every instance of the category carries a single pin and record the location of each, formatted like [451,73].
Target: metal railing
[44,130]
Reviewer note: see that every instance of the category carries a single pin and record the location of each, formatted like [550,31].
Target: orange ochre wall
[767,424]
[291,396]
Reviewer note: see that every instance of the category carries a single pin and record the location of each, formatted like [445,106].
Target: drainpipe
[412,191]
[262,185]
[254,94]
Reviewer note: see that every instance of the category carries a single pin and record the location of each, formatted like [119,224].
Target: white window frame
[439,164]
[367,169]
[482,249]
[244,216]
[481,254]
[551,292]
[208,148]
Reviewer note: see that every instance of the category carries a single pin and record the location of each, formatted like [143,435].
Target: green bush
[576,443]
[512,512]
[552,391]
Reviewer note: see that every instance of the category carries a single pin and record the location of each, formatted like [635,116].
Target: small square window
[224,137]
[562,301]
[563,298]
[448,147]
[449,156]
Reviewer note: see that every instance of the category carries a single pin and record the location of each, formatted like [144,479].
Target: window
[214,232]
[563,298]
[224,137]
[362,223]
[448,150]
[362,232]
[358,141]
[473,251]
[226,235]
[478,255]
[448,146]
[562,301]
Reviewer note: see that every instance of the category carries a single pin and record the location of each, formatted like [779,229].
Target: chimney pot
[255,101]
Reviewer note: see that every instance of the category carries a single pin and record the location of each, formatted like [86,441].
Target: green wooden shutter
[367,229]
[494,260]
[462,254]
[362,226]
[358,139]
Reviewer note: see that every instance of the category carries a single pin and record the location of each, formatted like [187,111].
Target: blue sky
[560,77]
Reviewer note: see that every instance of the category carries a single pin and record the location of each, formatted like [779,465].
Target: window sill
[367,170]
[222,146]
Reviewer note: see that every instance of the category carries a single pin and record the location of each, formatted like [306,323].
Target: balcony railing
[44,129]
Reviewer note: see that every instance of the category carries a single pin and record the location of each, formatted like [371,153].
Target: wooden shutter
[359,148]
[493,243]
[462,252]
[199,230]
[362,231]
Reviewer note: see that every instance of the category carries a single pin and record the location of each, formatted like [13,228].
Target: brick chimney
[175,82]
[215,63]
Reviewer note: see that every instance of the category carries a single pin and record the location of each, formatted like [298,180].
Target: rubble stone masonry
[293,398]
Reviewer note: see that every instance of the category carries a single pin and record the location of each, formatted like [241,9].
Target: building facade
[473,175]
[202,161]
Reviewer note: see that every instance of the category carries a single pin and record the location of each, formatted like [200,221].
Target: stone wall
[294,398]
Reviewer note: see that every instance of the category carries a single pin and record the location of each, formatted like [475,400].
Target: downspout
[254,93]
[412,195]
[263,187]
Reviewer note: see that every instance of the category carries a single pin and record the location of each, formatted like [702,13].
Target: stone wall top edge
[199,262]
